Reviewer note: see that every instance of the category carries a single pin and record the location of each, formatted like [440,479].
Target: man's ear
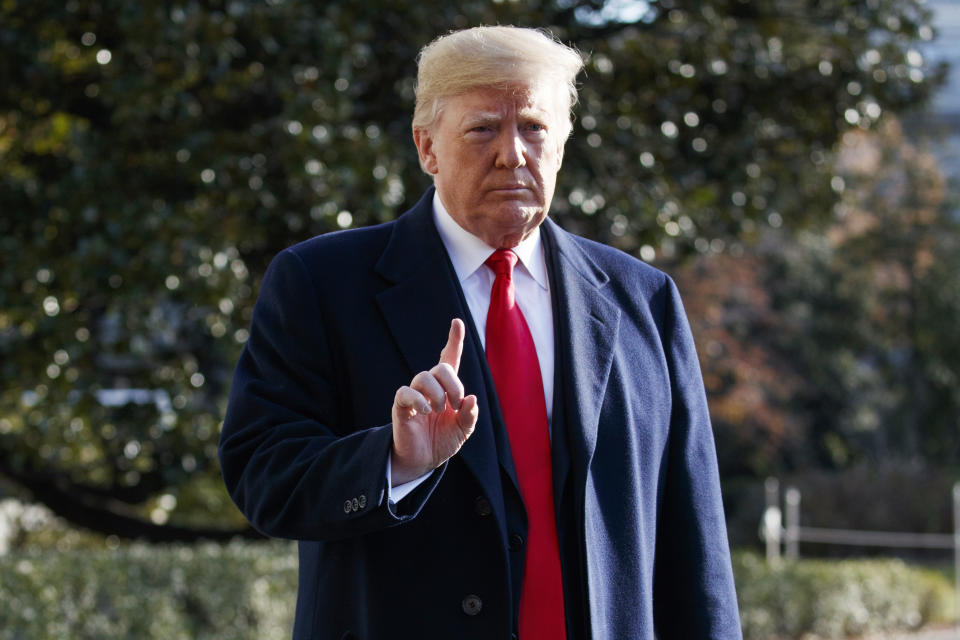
[424,141]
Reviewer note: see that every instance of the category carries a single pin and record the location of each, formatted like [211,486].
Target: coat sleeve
[694,594]
[288,463]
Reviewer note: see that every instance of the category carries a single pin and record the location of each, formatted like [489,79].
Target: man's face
[494,155]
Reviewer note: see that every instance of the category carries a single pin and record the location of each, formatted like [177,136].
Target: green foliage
[840,344]
[835,599]
[248,591]
[155,155]
[205,591]
[874,310]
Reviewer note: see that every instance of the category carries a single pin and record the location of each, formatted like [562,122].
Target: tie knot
[502,262]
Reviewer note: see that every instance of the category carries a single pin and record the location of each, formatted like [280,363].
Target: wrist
[402,472]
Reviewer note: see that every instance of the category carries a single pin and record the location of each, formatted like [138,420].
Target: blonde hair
[496,57]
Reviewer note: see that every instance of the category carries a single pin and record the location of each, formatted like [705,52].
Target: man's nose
[510,150]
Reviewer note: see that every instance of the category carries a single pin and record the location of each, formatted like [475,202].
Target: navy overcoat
[346,318]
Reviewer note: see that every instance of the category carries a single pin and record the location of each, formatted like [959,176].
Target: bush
[235,592]
[248,591]
[834,599]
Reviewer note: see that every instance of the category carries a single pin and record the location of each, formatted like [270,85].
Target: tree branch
[81,509]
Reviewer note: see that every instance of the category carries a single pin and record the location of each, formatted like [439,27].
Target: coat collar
[587,323]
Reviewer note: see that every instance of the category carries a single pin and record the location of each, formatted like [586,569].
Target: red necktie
[513,362]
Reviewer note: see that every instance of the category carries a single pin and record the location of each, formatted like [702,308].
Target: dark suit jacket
[346,318]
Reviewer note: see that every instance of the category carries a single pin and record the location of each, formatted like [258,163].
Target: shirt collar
[468,252]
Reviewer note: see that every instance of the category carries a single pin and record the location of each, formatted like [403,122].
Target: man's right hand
[431,417]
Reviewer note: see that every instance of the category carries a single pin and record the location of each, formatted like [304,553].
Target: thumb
[467,416]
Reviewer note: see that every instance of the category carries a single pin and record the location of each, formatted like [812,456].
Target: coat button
[348,506]
[472,605]
[363,501]
[355,504]
[481,506]
[516,541]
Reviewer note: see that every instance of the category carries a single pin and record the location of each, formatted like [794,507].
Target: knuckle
[445,368]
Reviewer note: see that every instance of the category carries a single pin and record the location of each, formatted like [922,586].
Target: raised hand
[431,417]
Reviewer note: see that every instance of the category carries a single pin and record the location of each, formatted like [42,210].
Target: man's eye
[536,127]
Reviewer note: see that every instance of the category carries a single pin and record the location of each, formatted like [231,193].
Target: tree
[875,304]
[155,155]
[750,381]
[839,345]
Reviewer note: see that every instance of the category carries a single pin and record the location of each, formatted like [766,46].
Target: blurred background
[791,163]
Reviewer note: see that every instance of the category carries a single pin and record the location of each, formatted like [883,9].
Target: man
[476,424]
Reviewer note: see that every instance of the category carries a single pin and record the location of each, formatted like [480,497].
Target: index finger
[454,348]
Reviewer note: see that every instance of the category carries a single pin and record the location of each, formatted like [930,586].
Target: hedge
[838,598]
[248,591]
[236,592]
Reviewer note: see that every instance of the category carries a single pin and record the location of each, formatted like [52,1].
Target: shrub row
[236,592]
[838,598]
[248,591]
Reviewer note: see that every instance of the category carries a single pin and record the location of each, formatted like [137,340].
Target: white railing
[783,528]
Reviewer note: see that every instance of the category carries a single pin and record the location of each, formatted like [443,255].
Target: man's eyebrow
[534,113]
[483,117]
[494,117]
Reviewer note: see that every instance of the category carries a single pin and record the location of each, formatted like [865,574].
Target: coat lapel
[418,308]
[587,323]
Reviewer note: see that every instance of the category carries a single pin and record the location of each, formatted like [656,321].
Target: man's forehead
[537,99]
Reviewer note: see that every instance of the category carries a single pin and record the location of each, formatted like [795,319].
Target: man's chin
[517,222]
[520,214]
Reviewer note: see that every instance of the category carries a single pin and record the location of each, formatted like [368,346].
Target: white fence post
[792,499]
[771,527]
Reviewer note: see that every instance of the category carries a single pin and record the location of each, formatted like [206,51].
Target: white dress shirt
[532,289]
